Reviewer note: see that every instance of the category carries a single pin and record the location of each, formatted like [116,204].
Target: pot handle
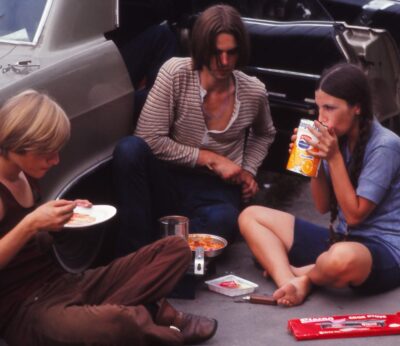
[199,261]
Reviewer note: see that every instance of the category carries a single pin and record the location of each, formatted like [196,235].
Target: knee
[130,150]
[246,217]
[337,262]
[222,220]
[174,249]
[180,248]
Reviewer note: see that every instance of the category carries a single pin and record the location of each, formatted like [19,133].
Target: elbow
[321,210]
[354,220]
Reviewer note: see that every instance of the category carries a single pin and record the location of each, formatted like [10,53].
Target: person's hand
[327,145]
[220,165]
[50,216]
[249,185]
[226,169]
[293,139]
[83,203]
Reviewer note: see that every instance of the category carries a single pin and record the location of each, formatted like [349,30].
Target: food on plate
[229,284]
[80,219]
[206,242]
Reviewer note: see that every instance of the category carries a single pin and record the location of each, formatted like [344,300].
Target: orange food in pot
[208,243]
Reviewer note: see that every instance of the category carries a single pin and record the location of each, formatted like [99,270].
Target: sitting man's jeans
[148,188]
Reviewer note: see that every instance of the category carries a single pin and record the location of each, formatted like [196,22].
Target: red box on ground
[344,326]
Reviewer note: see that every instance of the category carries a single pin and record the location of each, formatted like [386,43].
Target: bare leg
[343,264]
[293,292]
[269,234]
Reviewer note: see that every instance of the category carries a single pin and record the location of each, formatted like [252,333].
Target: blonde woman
[119,304]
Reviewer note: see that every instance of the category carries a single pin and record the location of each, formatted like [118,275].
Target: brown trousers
[103,306]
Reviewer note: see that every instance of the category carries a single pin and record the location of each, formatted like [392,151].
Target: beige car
[57,47]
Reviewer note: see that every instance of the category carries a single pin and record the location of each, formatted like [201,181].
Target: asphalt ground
[261,325]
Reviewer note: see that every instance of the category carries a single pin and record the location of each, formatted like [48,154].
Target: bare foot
[300,271]
[294,292]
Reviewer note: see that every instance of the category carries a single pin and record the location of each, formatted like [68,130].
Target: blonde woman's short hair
[32,121]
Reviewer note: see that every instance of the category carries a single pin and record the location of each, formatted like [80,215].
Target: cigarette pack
[345,326]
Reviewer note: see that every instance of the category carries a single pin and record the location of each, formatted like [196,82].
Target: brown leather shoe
[194,328]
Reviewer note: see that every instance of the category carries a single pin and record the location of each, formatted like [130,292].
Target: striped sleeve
[157,118]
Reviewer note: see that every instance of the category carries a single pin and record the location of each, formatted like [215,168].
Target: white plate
[96,214]
[245,286]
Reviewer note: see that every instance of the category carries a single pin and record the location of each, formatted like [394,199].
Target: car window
[22,20]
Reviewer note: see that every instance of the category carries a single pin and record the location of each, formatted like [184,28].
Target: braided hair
[349,83]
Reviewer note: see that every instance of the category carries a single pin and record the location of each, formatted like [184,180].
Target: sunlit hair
[32,121]
[213,21]
[349,83]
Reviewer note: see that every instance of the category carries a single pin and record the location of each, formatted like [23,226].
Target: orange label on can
[300,160]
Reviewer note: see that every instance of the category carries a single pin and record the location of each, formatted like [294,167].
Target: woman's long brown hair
[348,82]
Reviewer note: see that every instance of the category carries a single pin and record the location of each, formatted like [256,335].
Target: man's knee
[225,214]
[178,247]
[219,219]
[130,150]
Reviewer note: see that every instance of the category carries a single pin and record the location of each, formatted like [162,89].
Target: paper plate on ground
[87,217]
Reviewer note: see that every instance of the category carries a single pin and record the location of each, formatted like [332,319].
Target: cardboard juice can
[300,160]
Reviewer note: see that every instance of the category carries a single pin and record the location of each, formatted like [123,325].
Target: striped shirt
[172,122]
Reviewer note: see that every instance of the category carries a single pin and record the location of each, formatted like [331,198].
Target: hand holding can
[301,159]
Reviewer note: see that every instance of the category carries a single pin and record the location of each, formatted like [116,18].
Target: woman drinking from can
[359,183]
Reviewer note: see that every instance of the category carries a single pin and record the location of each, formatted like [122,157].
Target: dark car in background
[72,50]
[292,41]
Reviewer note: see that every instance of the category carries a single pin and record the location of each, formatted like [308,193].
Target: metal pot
[200,252]
[222,242]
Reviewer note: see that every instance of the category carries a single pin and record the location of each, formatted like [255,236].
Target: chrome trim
[294,23]
[272,93]
[117,7]
[342,48]
[39,30]
[308,100]
[284,72]
[75,181]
